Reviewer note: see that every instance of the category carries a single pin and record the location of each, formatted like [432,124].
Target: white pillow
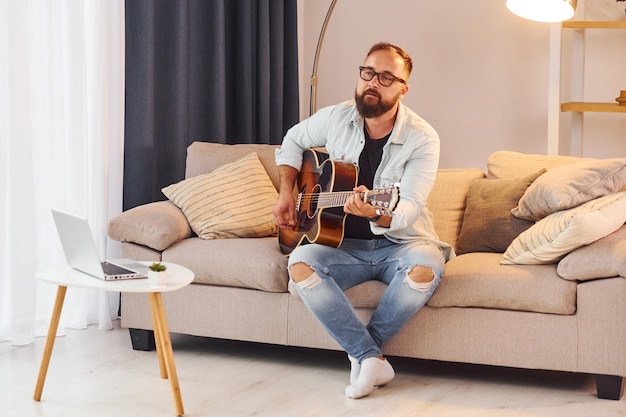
[235,200]
[551,238]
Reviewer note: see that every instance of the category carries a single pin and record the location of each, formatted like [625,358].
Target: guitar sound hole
[312,200]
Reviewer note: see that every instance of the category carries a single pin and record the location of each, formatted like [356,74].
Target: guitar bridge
[298,202]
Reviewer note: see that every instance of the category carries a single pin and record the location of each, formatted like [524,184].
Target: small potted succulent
[157,272]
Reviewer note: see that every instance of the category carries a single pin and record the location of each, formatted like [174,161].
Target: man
[389,144]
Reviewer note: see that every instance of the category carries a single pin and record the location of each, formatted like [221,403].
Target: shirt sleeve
[416,183]
[310,133]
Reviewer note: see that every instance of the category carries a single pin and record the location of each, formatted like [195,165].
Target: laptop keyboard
[111,269]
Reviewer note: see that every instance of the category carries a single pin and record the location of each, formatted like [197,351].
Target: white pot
[157,277]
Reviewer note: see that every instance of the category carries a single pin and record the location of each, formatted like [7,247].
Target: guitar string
[334,198]
[313,196]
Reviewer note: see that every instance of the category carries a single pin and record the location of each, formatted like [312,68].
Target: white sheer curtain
[61,145]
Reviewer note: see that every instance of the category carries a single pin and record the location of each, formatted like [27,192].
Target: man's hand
[355,204]
[284,211]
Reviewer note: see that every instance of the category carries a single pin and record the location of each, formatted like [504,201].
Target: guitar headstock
[384,198]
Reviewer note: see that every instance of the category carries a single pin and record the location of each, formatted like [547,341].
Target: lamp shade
[543,10]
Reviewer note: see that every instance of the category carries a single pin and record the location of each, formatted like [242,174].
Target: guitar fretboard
[335,199]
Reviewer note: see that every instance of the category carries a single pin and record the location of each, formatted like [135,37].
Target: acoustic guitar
[324,187]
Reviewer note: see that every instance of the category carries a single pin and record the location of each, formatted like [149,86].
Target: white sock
[355,368]
[374,372]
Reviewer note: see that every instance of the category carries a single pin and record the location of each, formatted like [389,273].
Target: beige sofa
[566,314]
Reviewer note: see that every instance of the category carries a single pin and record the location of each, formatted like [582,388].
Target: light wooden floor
[96,373]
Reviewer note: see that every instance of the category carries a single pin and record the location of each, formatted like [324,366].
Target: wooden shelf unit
[593,107]
[581,24]
[577,106]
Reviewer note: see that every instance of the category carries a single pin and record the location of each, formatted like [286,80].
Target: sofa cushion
[603,258]
[554,236]
[234,200]
[242,262]
[478,280]
[569,186]
[447,201]
[156,225]
[488,225]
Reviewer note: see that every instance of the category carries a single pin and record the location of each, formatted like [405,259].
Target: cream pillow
[157,225]
[569,186]
[551,238]
[603,258]
[235,200]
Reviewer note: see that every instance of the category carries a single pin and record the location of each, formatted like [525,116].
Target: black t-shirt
[358,227]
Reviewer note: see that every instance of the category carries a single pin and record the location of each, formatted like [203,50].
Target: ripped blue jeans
[357,261]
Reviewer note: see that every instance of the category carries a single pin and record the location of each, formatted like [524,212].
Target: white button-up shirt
[410,159]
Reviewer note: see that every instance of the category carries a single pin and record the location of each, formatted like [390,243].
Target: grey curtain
[210,70]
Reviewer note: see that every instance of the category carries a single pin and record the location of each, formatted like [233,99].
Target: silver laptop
[81,252]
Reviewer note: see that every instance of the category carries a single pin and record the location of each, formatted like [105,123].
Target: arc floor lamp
[318,49]
[543,10]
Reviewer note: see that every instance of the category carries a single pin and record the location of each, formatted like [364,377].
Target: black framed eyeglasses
[385,79]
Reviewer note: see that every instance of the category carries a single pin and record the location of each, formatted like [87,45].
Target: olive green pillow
[488,225]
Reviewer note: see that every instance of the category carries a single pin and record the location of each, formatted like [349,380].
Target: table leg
[164,343]
[157,337]
[52,332]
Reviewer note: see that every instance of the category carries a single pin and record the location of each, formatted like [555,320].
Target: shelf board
[579,106]
[581,24]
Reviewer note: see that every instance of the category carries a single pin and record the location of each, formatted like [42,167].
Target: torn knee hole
[421,274]
[420,278]
[309,278]
[300,271]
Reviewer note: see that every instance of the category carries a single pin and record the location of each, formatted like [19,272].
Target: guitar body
[319,174]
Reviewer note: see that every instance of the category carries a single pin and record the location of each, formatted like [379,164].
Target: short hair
[386,46]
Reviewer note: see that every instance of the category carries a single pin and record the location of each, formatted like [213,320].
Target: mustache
[371,91]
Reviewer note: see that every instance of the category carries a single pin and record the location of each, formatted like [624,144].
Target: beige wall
[480,73]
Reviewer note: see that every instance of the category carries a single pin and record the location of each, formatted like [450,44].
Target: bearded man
[389,144]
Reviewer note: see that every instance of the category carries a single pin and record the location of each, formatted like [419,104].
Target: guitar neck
[337,199]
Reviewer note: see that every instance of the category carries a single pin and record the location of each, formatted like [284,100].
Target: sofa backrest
[509,164]
[447,201]
[204,157]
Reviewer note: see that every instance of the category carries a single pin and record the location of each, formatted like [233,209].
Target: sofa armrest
[156,225]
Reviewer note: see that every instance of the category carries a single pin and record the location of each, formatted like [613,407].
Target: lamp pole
[313,98]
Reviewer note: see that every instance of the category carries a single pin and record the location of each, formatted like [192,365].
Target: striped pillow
[235,200]
[554,236]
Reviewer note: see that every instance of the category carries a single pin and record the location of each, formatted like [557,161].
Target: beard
[368,109]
